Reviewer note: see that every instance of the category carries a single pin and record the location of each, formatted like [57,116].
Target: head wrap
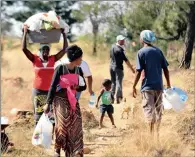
[74,52]
[147,36]
[41,47]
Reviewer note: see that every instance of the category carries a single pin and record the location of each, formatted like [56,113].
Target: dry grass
[176,138]
[177,129]
[138,142]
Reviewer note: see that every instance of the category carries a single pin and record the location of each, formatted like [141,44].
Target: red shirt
[43,75]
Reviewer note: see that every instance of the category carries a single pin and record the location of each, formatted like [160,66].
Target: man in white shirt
[86,72]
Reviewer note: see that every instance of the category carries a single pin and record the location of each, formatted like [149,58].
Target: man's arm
[90,82]
[166,73]
[130,66]
[87,74]
[165,65]
[137,77]
[127,61]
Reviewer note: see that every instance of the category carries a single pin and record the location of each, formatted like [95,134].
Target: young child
[106,102]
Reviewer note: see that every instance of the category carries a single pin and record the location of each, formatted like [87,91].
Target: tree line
[171,21]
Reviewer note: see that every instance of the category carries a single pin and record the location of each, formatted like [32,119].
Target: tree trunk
[95,34]
[2,45]
[190,38]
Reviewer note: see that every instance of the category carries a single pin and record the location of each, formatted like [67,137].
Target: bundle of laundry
[46,21]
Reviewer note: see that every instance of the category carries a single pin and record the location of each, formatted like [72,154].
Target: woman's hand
[25,28]
[46,109]
[62,30]
[74,87]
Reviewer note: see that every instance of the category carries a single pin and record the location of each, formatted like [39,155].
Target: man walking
[151,61]
[117,56]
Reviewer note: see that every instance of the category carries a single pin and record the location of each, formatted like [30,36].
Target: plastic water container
[92,100]
[174,99]
[4,120]
[167,105]
[182,94]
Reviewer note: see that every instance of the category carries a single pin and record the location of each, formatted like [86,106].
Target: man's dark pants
[117,76]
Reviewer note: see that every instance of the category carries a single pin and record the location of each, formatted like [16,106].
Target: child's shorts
[106,108]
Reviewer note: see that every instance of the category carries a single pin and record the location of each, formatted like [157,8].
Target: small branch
[169,39]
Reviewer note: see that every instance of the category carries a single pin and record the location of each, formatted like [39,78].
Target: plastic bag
[42,135]
[34,22]
[51,16]
[64,25]
[51,20]
[48,26]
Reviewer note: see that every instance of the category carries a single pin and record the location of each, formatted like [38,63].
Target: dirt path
[97,140]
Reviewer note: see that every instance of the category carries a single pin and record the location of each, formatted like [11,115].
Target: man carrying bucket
[151,61]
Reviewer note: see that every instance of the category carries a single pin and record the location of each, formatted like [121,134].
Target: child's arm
[102,91]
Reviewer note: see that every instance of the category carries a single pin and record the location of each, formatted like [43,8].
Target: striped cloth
[68,127]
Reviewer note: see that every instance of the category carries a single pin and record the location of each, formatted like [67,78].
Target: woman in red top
[44,68]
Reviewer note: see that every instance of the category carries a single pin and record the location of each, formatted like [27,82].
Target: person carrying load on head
[43,64]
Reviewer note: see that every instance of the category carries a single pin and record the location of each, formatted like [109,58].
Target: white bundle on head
[34,22]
